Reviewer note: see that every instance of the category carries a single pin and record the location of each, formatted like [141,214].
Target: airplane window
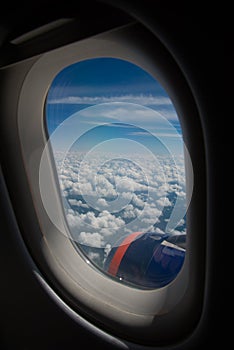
[119,154]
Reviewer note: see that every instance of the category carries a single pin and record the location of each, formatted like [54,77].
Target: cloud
[102,202]
[94,239]
[77,203]
[150,214]
[164,202]
[142,189]
[129,212]
[85,121]
[105,223]
[144,100]
[151,118]
[126,184]
[164,134]
[107,249]
[158,230]
[159,133]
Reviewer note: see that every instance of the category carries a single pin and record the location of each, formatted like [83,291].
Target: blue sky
[113,92]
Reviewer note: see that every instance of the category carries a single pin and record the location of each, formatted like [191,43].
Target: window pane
[119,154]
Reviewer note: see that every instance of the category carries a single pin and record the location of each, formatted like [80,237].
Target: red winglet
[117,258]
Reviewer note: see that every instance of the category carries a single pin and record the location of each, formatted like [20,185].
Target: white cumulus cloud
[92,186]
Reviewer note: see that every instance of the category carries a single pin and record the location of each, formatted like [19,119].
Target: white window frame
[128,312]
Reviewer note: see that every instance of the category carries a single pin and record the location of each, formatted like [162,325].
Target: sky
[111,91]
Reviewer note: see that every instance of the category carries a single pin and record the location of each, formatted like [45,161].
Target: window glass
[119,154]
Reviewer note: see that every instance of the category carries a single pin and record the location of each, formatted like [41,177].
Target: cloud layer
[108,197]
[145,100]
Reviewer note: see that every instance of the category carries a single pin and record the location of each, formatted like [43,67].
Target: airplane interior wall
[200,38]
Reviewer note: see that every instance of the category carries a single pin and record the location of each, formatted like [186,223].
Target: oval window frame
[153,313]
